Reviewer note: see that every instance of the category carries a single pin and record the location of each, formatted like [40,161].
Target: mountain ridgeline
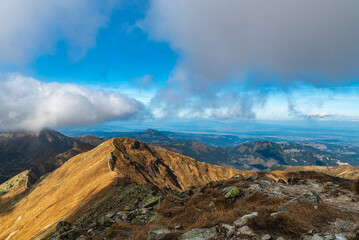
[41,151]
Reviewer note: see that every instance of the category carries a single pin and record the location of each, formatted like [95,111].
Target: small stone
[110,214]
[122,215]
[178,227]
[200,234]
[266,237]
[212,205]
[282,209]
[312,231]
[230,229]
[245,230]
[274,214]
[244,220]
[160,233]
[280,238]
[340,236]
[317,237]
[255,187]
[328,236]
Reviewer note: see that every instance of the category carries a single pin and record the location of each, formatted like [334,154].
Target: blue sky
[109,61]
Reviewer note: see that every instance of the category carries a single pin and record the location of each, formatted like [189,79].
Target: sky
[96,63]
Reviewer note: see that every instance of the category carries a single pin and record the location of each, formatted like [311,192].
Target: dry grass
[356,186]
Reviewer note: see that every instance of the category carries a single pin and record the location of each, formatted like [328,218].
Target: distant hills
[257,155]
[43,151]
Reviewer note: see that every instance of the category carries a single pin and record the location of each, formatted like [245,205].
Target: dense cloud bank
[228,45]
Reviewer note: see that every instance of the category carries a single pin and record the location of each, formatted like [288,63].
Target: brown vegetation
[356,186]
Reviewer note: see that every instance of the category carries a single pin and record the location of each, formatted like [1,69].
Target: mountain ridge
[75,187]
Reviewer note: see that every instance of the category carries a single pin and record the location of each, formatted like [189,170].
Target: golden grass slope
[81,183]
[343,171]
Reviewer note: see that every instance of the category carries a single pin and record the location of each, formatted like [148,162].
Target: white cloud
[27,103]
[31,28]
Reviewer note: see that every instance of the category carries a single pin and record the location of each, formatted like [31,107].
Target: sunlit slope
[343,171]
[82,181]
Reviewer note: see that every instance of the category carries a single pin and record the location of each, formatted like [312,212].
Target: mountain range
[46,150]
[127,189]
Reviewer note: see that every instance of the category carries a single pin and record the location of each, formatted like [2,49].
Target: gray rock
[232,192]
[266,237]
[317,237]
[282,209]
[255,187]
[199,234]
[309,196]
[340,236]
[280,238]
[343,225]
[230,229]
[245,230]
[160,233]
[178,227]
[244,220]
[110,214]
[122,215]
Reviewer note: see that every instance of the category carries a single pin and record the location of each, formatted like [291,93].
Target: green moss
[155,217]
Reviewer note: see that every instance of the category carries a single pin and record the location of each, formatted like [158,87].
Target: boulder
[151,201]
[310,196]
[199,234]
[160,233]
[231,192]
[244,219]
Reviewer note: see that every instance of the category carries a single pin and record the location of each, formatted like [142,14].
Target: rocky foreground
[308,205]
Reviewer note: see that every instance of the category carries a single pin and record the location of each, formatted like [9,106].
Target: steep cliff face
[84,180]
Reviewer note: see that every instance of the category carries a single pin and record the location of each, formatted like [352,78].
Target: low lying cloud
[27,103]
[29,29]
[183,98]
[295,112]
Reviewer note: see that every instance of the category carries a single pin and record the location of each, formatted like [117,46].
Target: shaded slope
[20,151]
[83,180]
